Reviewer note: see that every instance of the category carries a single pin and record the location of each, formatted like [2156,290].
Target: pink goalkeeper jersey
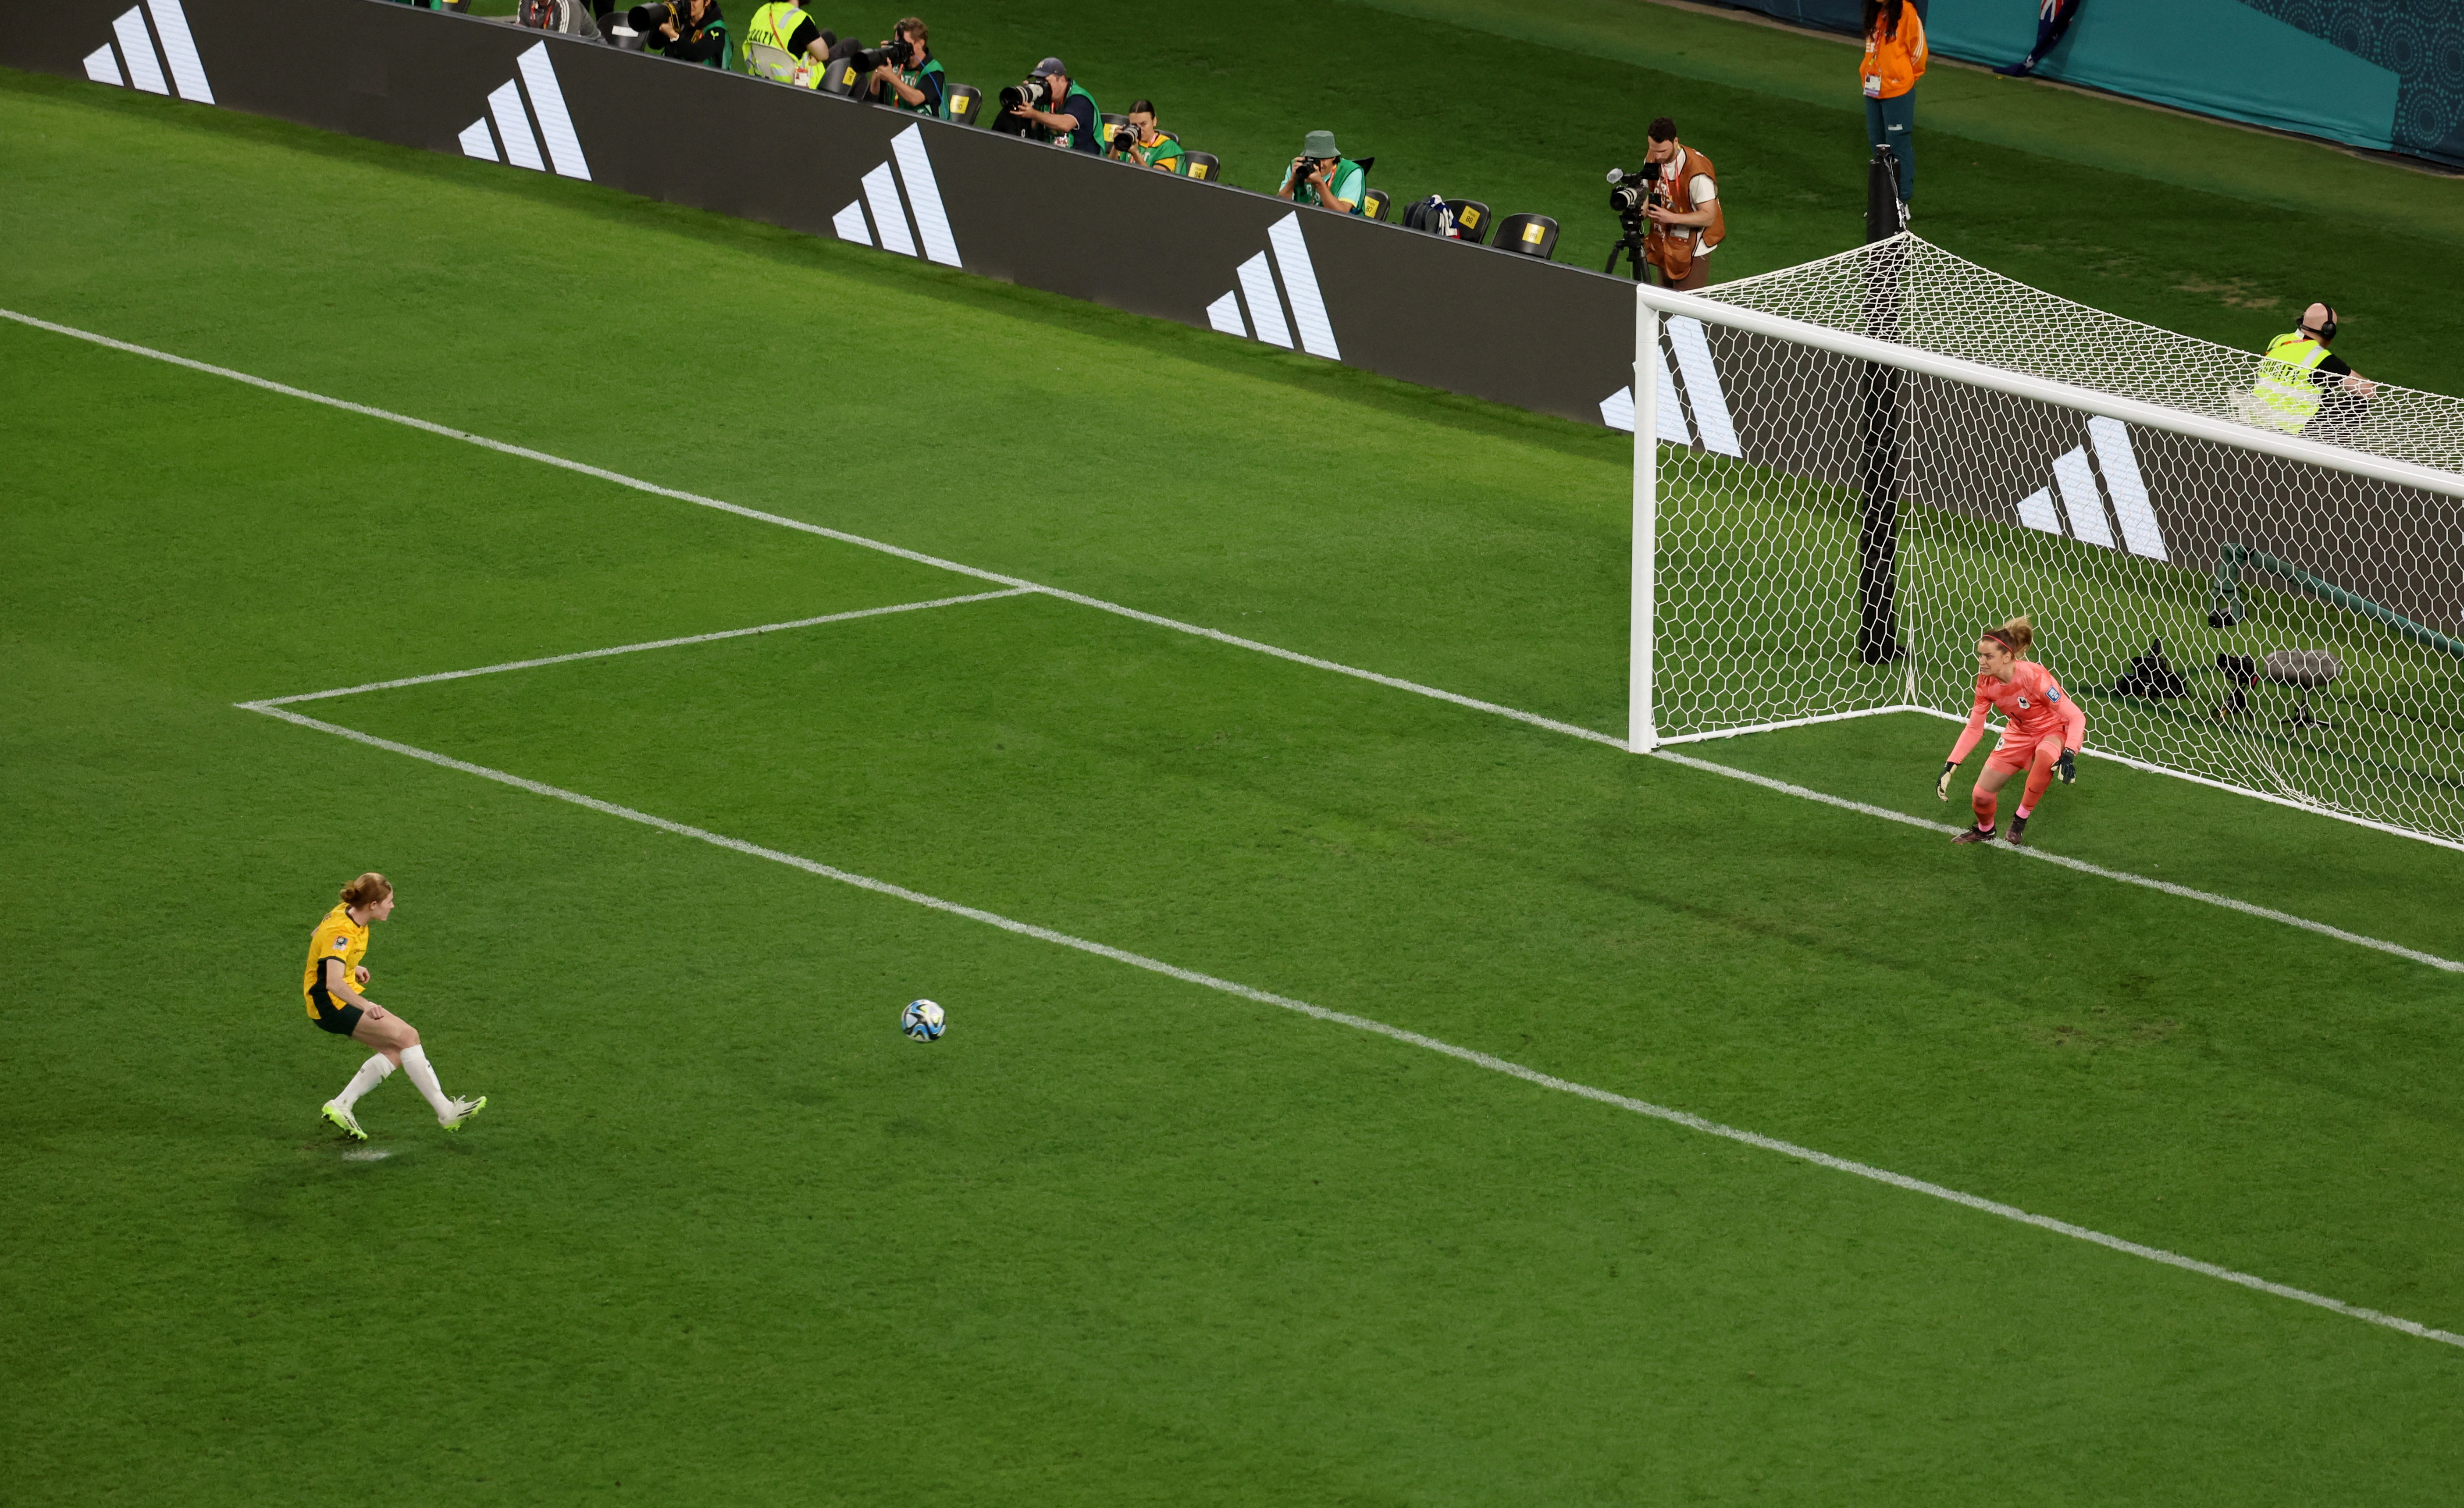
[2031,702]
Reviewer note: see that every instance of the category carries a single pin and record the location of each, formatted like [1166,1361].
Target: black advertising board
[1469,319]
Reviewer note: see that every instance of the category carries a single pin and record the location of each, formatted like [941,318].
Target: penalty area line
[655,644]
[1021,584]
[1362,1023]
[2079,865]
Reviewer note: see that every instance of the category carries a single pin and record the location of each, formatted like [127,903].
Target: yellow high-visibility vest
[2287,393]
[772,26]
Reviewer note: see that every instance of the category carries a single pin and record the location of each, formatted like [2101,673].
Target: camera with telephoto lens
[891,53]
[647,19]
[1629,192]
[1032,95]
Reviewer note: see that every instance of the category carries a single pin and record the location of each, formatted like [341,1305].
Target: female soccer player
[331,985]
[2043,730]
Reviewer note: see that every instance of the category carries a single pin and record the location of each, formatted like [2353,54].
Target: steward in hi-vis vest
[784,27]
[2287,392]
[2301,386]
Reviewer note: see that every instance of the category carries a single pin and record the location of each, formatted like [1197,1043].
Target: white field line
[2080,866]
[1362,1024]
[782,521]
[655,643]
[1395,683]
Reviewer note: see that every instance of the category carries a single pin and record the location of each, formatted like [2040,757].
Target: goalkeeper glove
[1942,787]
[2064,768]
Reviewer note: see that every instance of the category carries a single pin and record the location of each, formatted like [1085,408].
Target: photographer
[909,78]
[1143,145]
[687,31]
[1076,124]
[783,25]
[1686,221]
[1322,175]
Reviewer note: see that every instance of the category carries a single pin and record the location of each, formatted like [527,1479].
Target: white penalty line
[1362,1024]
[620,479]
[655,644]
[2082,866]
[1021,584]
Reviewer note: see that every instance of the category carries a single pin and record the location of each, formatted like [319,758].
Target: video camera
[1629,192]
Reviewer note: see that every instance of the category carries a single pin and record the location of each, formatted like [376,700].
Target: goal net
[1846,471]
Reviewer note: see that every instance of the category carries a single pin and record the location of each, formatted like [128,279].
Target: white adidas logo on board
[888,229]
[1710,405]
[136,64]
[521,144]
[1289,255]
[2075,480]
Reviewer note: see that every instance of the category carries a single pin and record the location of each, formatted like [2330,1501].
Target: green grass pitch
[724,1237]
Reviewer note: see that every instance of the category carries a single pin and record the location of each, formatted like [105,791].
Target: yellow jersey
[337,936]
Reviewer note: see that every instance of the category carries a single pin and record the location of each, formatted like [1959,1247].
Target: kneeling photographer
[1682,201]
[687,31]
[1071,119]
[904,75]
[1322,175]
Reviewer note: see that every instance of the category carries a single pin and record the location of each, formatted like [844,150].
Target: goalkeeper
[2042,729]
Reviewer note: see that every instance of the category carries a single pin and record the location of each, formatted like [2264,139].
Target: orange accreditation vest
[1673,247]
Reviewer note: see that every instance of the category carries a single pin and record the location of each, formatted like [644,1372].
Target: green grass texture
[723,1234]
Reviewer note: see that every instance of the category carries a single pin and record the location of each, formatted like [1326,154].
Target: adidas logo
[1717,431]
[881,194]
[144,69]
[1286,257]
[521,144]
[2081,504]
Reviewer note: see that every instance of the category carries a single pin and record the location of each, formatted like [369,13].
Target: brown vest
[1671,248]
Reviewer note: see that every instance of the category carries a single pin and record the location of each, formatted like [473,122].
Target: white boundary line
[2082,866]
[1019,583]
[1362,1024]
[741,512]
[655,643]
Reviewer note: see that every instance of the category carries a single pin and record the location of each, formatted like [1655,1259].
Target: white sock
[414,1063]
[373,1073]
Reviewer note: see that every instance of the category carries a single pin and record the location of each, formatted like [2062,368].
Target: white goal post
[1845,471]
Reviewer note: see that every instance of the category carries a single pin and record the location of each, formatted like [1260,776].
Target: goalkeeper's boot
[1974,834]
[2018,825]
[463,1111]
[344,1121]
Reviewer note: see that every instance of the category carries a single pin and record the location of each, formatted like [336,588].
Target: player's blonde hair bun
[2015,636]
[367,890]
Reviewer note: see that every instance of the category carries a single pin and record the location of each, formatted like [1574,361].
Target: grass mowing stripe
[740,510]
[1021,584]
[2082,866]
[655,643]
[1362,1024]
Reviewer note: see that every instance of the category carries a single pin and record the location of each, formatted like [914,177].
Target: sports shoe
[463,1111]
[344,1121]
[2018,824]
[1974,834]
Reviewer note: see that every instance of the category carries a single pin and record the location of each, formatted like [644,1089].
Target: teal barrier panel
[2389,76]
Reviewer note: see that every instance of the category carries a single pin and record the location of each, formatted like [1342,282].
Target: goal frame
[1654,304]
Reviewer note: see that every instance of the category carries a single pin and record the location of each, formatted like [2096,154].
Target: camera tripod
[1630,244]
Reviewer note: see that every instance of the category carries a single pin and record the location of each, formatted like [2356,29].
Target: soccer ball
[922,1021]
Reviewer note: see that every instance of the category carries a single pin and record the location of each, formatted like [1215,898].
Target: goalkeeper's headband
[2003,638]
